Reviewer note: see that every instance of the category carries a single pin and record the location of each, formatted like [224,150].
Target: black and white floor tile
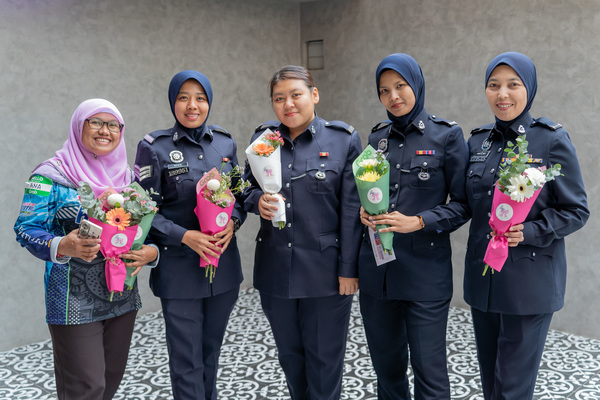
[249,369]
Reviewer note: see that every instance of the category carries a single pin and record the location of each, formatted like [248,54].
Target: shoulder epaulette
[543,121]
[485,128]
[381,125]
[267,125]
[218,129]
[151,137]
[439,120]
[340,125]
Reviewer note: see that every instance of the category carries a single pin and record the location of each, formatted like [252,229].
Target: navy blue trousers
[310,335]
[394,326]
[509,349]
[195,330]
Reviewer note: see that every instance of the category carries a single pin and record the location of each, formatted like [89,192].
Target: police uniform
[406,301]
[518,302]
[171,162]
[296,268]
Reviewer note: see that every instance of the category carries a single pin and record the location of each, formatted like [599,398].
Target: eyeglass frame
[105,123]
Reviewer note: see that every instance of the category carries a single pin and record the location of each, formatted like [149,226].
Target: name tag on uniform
[177,166]
[480,156]
[178,169]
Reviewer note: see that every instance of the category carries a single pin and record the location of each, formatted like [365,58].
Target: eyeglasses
[97,124]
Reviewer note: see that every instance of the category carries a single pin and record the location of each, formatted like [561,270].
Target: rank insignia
[421,125]
[521,129]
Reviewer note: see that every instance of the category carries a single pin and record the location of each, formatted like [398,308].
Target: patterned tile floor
[249,368]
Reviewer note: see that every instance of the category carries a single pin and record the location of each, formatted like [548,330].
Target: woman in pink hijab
[90,334]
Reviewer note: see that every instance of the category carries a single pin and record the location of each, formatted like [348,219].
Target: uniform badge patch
[382,145]
[176,156]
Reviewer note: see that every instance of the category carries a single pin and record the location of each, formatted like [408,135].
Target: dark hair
[291,72]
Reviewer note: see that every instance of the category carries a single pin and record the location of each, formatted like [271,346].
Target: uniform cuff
[54,256]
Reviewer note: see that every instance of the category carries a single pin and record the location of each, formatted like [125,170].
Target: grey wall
[56,53]
[454,44]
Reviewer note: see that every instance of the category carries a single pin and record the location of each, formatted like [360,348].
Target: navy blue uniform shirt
[172,163]
[427,178]
[322,234]
[533,278]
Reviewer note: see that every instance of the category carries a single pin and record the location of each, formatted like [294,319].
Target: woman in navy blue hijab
[512,309]
[196,311]
[405,302]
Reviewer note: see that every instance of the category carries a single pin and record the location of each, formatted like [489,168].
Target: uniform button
[489,192]
[499,149]
[200,157]
[492,171]
[289,245]
[287,184]
[165,248]
[176,178]
[489,215]
[288,205]
[533,254]
[470,172]
[393,206]
[289,165]
[289,224]
[487,236]
[397,166]
[322,165]
[401,145]
[396,186]
[260,239]
[431,244]
[424,163]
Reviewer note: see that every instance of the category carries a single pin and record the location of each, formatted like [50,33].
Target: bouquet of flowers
[264,157]
[515,192]
[215,200]
[125,218]
[372,177]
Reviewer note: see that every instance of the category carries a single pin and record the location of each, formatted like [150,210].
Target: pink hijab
[75,162]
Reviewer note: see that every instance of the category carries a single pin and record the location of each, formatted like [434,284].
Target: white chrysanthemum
[213,185]
[520,189]
[368,163]
[115,200]
[536,177]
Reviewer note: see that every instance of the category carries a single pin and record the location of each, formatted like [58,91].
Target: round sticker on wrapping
[268,171]
[222,219]
[139,233]
[504,212]
[375,195]
[119,240]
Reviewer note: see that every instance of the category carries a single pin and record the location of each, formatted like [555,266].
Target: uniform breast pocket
[473,182]
[179,184]
[426,173]
[322,175]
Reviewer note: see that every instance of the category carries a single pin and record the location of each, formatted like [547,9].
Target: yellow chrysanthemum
[119,218]
[370,176]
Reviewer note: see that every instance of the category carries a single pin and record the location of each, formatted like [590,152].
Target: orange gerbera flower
[119,218]
[263,149]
